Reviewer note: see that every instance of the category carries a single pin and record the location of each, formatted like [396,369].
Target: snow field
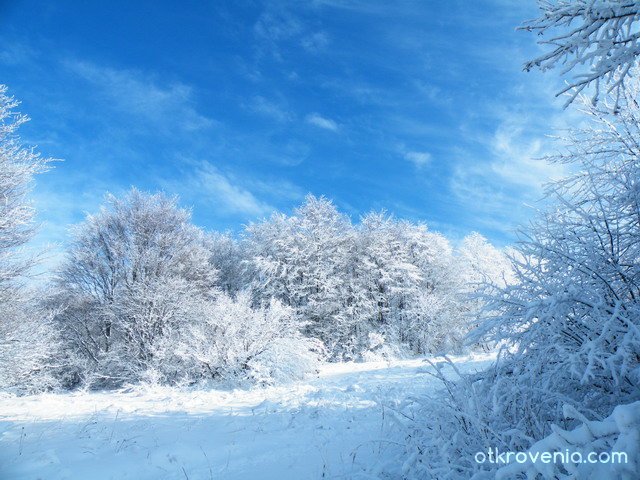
[332,426]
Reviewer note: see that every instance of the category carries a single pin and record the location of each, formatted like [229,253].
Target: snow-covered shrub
[380,348]
[30,349]
[443,430]
[449,435]
[573,316]
[286,359]
[597,449]
[571,319]
[234,339]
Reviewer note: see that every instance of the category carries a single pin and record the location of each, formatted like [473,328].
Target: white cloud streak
[139,94]
[221,190]
[322,122]
[419,159]
[263,106]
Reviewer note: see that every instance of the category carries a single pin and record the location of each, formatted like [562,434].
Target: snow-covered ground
[325,427]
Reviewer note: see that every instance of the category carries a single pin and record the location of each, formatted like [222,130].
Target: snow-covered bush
[30,349]
[444,430]
[287,358]
[571,320]
[573,317]
[233,339]
[597,449]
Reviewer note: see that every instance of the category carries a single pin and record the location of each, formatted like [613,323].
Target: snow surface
[326,427]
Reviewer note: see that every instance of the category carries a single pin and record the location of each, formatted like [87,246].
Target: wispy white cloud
[222,190]
[498,174]
[17,53]
[276,188]
[268,108]
[273,27]
[277,24]
[322,122]
[315,42]
[291,153]
[518,158]
[140,94]
[419,159]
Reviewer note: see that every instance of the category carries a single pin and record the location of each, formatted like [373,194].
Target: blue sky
[241,108]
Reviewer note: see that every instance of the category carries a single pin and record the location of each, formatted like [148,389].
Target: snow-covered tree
[302,261]
[408,274]
[27,341]
[386,269]
[31,358]
[383,286]
[146,296]
[481,269]
[229,260]
[129,275]
[600,35]
[18,165]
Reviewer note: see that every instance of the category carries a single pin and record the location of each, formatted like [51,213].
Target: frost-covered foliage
[229,260]
[573,315]
[301,261]
[444,430]
[27,340]
[128,279]
[382,286]
[406,273]
[18,165]
[619,433]
[143,299]
[30,348]
[570,323]
[234,339]
[599,34]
